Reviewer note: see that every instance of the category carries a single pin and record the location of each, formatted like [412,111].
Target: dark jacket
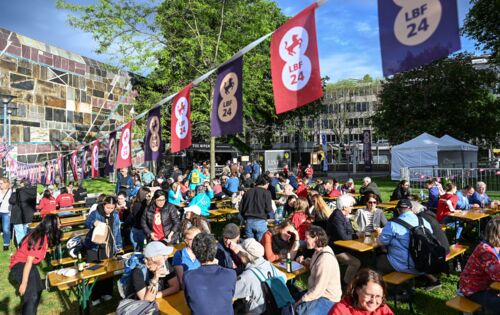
[226,260]
[256,203]
[135,216]
[23,202]
[399,193]
[430,217]
[170,220]
[80,194]
[338,227]
[124,184]
[370,188]
[98,215]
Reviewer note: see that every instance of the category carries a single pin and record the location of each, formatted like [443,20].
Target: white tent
[429,151]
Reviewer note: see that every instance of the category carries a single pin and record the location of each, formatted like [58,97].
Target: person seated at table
[430,217]
[65,200]
[227,248]
[133,222]
[105,214]
[369,187]
[349,187]
[339,228]
[289,205]
[23,271]
[175,194]
[302,188]
[336,189]
[319,212]
[283,239]
[204,195]
[247,181]
[463,198]
[47,204]
[292,180]
[366,295]
[324,289]
[193,218]
[371,218]
[435,190]
[447,203]
[210,288]
[480,198]
[483,268]
[248,286]
[185,259]
[299,218]
[160,220]
[324,188]
[160,279]
[402,191]
[217,188]
[80,193]
[185,187]
[397,240]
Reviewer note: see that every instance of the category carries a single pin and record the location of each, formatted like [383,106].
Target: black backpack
[429,256]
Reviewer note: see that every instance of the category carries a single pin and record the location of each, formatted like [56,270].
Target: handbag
[101,232]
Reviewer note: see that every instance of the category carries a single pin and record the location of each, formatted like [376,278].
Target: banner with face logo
[180,120]
[48,173]
[227,109]
[111,154]
[95,159]
[60,168]
[124,157]
[83,165]
[295,62]
[152,145]
[417,32]
[74,165]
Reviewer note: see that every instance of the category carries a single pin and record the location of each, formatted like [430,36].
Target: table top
[386,205]
[108,266]
[291,275]
[65,221]
[471,215]
[223,211]
[359,245]
[495,286]
[174,304]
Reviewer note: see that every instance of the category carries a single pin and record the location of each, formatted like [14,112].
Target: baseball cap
[231,230]
[194,209]
[404,203]
[156,248]
[252,247]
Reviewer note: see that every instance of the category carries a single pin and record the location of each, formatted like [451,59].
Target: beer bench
[463,305]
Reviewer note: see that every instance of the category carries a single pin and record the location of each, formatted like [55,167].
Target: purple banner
[227,109]
[415,33]
[367,149]
[111,154]
[152,145]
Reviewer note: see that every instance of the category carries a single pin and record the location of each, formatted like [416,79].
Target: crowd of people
[153,212]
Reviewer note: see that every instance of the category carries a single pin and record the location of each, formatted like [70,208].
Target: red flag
[180,120]
[74,166]
[95,159]
[124,157]
[295,63]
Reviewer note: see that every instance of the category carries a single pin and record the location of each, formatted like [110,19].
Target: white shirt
[4,199]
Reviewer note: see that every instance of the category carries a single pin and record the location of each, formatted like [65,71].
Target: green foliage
[482,24]
[448,96]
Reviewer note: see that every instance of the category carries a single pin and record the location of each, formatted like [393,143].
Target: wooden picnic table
[291,275]
[65,221]
[386,205]
[361,245]
[217,213]
[495,285]
[174,304]
[470,215]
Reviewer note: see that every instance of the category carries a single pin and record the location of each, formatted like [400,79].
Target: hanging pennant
[152,145]
[60,168]
[83,170]
[295,62]
[180,120]
[48,174]
[95,159]
[415,33]
[124,158]
[74,165]
[39,180]
[111,154]
[227,109]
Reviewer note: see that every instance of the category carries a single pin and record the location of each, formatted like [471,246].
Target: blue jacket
[202,200]
[255,170]
[97,216]
[247,169]
[463,201]
[232,184]
[129,183]
[481,200]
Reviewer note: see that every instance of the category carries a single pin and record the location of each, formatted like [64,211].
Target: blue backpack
[135,261]
[278,298]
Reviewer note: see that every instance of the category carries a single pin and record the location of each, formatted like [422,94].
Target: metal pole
[8,117]
[349,156]
[4,135]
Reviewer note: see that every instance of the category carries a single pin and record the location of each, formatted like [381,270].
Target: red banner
[74,165]
[180,120]
[95,159]
[124,157]
[295,62]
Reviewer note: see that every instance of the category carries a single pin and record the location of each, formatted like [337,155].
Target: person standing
[5,193]
[196,177]
[124,182]
[160,221]
[309,173]
[23,271]
[255,207]
[23,201]
[147,177]
[47,204]
[255,170]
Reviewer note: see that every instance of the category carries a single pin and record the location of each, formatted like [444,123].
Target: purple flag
[415,33]
[152,145]
[111,154]
[227,109]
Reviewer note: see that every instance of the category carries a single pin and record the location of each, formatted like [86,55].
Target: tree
[482,24]
[448,96]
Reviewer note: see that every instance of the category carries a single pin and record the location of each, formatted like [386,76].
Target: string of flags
[412,34]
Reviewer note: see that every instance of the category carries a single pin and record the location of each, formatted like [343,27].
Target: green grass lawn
[54,302]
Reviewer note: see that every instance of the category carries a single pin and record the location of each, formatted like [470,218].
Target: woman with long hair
[371,218]
[141,201]
[47,203]
[320,211]
[23,272]
[160,220]
[193,218]
[282,240]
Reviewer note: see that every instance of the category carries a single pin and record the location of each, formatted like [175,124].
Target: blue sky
[347,32]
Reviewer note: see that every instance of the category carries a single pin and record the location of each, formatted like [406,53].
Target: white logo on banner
[297,69]
[417,20]
[182,125]
[125,152]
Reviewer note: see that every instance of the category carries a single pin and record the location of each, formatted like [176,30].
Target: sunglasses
[372,202]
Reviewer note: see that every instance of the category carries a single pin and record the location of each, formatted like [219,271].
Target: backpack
[133,262]
[195,177]
[137,307]
[429,256]
[278,299]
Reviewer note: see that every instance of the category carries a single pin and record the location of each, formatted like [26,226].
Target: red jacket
[302,191]
[65,200]
[46,206]
[482,269]
[309,171]
[345,307]
[442,208]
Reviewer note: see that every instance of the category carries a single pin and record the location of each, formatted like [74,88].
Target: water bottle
[288,262]
[422,196]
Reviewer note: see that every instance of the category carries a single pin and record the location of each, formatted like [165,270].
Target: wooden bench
[463,304]
[398,278]
[456,250]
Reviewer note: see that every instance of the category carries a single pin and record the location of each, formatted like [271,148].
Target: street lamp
[6,99]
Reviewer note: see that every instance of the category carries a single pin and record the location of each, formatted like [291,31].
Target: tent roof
[425,140]
[448,143]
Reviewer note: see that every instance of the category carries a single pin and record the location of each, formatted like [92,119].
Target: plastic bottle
[81,263]
[288,263]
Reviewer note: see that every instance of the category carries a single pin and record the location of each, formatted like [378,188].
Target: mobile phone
[94,267]
[292,236]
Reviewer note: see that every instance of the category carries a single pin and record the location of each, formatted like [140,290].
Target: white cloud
[340,66]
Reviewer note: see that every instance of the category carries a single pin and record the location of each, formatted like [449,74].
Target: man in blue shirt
[397,239]
[232,184]
[255,170]
[248,169]
[463,198]
[210,288]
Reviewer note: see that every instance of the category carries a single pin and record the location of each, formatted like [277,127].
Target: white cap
[194,209]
